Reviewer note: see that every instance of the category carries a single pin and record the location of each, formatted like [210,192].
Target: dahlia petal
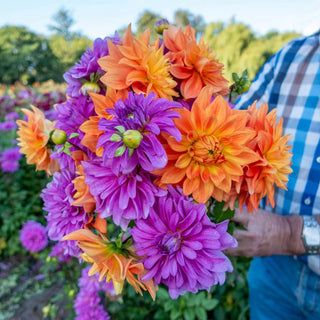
[188,252]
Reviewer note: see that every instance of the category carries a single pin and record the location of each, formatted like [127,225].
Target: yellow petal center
[207,150]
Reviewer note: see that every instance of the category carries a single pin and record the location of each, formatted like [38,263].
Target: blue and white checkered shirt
[290,82]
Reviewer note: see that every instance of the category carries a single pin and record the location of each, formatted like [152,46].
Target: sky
[100,18]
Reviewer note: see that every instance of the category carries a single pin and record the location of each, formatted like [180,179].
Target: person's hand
[267,234]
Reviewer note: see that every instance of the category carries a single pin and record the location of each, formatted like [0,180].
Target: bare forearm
[268,234]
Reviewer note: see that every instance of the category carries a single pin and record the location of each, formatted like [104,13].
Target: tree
[182,18]
[239,48]
[147,20]
[68,52]
[66,45]
[63,22]
[26,57]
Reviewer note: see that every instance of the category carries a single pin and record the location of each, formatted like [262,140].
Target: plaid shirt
[290,82]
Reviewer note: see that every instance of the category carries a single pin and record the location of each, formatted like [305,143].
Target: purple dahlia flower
[33,236]
[182,247]
[87,65]
[8,166]
[63,217]
[8,125]
[72,113]
[58,251]
[11,154]
[9,159]
[147,116]
[88,302]
[12,116]
[65,160]
[125,197]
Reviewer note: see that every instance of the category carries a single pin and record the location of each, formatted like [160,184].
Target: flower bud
[132,138]
[245,85]
[161,25]
[90,87]
[59,137]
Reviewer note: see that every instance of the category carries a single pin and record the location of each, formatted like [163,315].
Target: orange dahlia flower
[192,63]
[33,138]
[273,166]
[136,65]
[82,196]
[90,127]
[112,262]
[212,152]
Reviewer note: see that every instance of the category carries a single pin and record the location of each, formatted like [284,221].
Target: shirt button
[307,201]
[318,159]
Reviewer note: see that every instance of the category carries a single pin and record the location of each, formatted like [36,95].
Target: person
[284,275]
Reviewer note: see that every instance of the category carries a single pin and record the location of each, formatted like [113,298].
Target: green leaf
[162,293]
[115,138]
[168,305]
[201,313]
[67,151]
[74,135]
[174,314]
[235,77]
[198,298]
[210,304]
[118,243]
[121,129]
[66,148]
[120,151]
[244,73]
[219,214]
[189,314]
[233,94]
[130,152]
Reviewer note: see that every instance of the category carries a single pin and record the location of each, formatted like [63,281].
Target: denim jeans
[283,288]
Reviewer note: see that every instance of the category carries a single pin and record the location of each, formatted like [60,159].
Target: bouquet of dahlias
[148,142]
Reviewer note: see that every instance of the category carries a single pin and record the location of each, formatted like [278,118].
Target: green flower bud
[59,137]
[90,87]
[161,25]
[245,85]
[132,138]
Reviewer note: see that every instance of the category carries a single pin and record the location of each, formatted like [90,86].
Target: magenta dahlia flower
[12,116]
[9,159]
[87,65]
[33,236]
[63,218]
[125,197]
[58,251]
[145,117]
[88,304]
[72,113]
[182,248]
[8,125]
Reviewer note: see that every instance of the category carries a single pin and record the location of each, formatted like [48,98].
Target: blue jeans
[281,287]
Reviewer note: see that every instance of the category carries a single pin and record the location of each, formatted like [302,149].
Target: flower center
[170,243]
[207,150]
